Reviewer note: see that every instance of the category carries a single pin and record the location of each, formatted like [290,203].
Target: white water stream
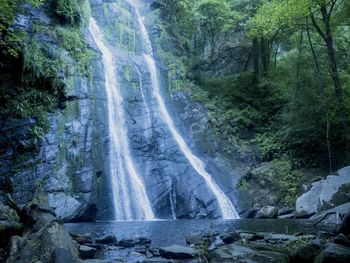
[130,199]
[228,211]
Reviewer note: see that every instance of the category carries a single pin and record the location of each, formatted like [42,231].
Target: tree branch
[317,27]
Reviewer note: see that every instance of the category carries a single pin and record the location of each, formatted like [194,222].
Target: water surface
[169,232]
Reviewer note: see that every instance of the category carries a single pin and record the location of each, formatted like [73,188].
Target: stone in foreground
[334,253]
[236,253]
[107,240]
[86,252]
[178,252]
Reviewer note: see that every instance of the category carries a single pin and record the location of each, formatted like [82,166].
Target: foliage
[35,73]
[71,12]
[72,40]
[280,176]
[285,102]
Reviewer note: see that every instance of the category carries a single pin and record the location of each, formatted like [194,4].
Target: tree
[215,16]
[275,15]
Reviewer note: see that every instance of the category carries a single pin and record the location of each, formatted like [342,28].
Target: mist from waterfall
[130,199]
[228,211]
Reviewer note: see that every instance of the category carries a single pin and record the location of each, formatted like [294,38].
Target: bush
[71,12]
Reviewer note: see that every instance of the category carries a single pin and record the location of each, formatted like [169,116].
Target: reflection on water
[169,232]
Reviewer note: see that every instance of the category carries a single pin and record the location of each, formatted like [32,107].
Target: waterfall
[130,199]
[227,209]
[148,120]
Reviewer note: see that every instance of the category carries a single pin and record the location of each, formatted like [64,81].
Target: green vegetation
[71,12]
[121,29]
[289,102]
[38,65]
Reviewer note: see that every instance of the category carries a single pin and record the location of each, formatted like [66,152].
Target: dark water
[164,233]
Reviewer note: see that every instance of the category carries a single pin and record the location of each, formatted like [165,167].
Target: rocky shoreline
[33,233]
[237,246]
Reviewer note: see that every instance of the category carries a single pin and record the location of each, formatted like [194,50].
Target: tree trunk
[256,58]
[265,56]
[328,38]
[324,100]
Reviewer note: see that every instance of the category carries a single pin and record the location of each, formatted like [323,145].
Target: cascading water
[148,120]
[228,211]
[130,199]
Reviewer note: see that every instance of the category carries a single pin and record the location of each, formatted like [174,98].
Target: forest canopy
[292,97]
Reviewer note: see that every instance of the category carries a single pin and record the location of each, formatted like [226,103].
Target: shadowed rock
[178,252]
[45,237]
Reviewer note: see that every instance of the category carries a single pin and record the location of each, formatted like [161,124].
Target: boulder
[45,238]
[82,239]
[306,204]
[9,224]
[267,212]
[251,236]
[331,219]
[280,238]
[127,242]
[285,211]
[86,252]
[52,243]
[236,253]
[230,238]
[178,252]
[262,246]
[343,240]
[345,225]
[325,194]
[334,253]
[107,240]
[336,190]
[157,260]
[193,239]
[305,254]
[287,216]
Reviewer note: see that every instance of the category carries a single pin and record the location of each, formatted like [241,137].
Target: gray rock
[178,252]
[267,212]
[331,219]
[343,240]
[266,247]
[51,244]
[3,255]
[230,238]
[82,239]
[317,243]
[107,240]
[193,239]
[154,251]
[336,190]
[280,238]
[307,204]
[127,242]
[61,255]
[345,225]
[86,252]
[305,254]
[157,260]
[334,253]
[325,194]
[240,254]
[285,211]
[287,216]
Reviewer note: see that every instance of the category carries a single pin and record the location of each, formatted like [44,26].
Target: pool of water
[169,232]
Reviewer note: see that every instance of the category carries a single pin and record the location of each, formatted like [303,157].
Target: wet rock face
[173,186]
[325,194]
[69,162]
[66,162]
